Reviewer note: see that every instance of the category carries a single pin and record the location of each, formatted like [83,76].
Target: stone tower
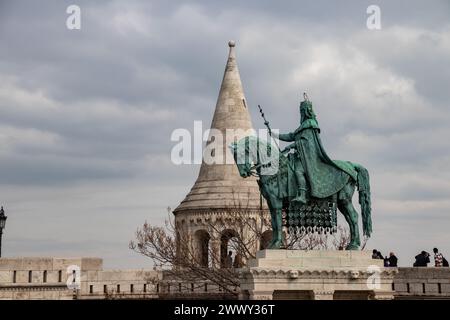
[209,216]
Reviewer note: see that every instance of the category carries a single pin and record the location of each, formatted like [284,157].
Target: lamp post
[2,226]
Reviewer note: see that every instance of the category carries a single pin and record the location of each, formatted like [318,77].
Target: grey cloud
[93,110]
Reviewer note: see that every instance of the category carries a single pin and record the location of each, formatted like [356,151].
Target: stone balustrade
[46,278]
[422,283]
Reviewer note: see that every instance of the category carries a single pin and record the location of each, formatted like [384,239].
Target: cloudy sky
[86,115]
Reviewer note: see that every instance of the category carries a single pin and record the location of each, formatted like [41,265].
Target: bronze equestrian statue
[306,184]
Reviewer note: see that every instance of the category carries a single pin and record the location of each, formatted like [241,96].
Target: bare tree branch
[242,231]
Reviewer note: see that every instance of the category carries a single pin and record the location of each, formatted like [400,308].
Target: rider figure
[307,121]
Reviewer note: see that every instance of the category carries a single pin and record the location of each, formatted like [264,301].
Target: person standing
[386,261]
[374,254]
[422,259]
[229,260]
[438,258]
[392,260]
[380,256]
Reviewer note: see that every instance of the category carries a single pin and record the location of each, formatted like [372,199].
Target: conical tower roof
[219,186]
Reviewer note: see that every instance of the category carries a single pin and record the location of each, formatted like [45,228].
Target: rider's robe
[325,176]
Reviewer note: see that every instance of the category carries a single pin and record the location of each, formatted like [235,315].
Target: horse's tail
[364,198]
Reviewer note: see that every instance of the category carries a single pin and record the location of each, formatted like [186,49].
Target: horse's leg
[273,223]
[273,214]
[345,206]
[276,219]
[277,237]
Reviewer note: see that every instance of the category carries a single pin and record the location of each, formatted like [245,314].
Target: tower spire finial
[231,44]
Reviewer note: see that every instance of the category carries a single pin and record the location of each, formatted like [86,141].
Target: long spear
[268,126]
[270,130]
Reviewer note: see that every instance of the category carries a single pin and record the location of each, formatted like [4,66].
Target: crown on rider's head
[305,96]
[306,101]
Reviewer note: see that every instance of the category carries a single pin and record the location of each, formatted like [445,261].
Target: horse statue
[306,185]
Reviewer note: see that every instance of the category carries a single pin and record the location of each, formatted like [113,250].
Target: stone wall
[422,283]
[45,278]
[116,284]
[175,289]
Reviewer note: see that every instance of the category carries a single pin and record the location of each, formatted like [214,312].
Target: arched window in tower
[229,249]
[202,239]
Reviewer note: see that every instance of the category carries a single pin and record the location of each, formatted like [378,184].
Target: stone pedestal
[316,274]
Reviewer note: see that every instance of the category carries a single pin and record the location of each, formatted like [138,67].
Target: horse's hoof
[352,247]
[276,245]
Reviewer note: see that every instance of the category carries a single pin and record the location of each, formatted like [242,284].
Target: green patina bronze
[305,184]
[312,164]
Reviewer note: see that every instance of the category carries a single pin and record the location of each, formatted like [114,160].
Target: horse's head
[240,153]
[255,157]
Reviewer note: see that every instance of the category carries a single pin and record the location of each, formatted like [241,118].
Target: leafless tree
[172,251]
